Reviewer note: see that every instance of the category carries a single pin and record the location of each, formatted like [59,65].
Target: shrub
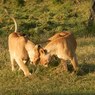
[20,2]
[57,1]
[39,1]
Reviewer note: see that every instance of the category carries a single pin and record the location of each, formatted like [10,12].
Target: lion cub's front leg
[13,63]
[23,67]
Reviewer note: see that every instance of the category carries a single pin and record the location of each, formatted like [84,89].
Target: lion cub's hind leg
[64,65]
[74,62]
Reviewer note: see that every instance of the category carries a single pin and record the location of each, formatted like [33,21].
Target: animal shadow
[87,68]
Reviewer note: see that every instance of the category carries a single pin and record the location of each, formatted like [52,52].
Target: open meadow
[39,20]
[52,80]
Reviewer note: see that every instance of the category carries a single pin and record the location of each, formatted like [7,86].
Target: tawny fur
[63,45]
[20,49]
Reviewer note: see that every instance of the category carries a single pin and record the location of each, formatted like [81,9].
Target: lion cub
[21,49]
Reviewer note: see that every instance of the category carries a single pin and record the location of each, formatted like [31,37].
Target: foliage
[44,15]
[39,1]
[20,2]
[58,1]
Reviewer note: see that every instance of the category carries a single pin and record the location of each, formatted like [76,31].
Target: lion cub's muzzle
[35,62]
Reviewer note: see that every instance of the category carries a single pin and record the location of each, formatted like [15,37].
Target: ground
[51,80]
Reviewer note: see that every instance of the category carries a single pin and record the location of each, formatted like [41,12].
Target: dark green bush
[39,1]
[20,2]
[57,1]
[42,17]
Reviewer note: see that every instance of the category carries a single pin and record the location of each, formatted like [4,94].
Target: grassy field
[41,19]
[51,80]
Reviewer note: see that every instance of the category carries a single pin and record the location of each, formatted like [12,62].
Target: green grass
[41,19]
[52,80]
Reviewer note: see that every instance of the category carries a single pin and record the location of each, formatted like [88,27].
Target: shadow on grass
[87,68]
[83,68]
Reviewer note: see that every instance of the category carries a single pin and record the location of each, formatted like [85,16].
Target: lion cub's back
[17,45]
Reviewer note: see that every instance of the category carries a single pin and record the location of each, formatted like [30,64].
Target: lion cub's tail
[12,19]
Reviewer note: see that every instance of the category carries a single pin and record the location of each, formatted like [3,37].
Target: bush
[20,2]
[39,1]
[57,1]
[47,18]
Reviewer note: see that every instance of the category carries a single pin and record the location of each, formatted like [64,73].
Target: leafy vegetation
[38,17]
[41,19]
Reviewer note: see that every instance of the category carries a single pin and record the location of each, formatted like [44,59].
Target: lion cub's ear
[42,51]
[38,47]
